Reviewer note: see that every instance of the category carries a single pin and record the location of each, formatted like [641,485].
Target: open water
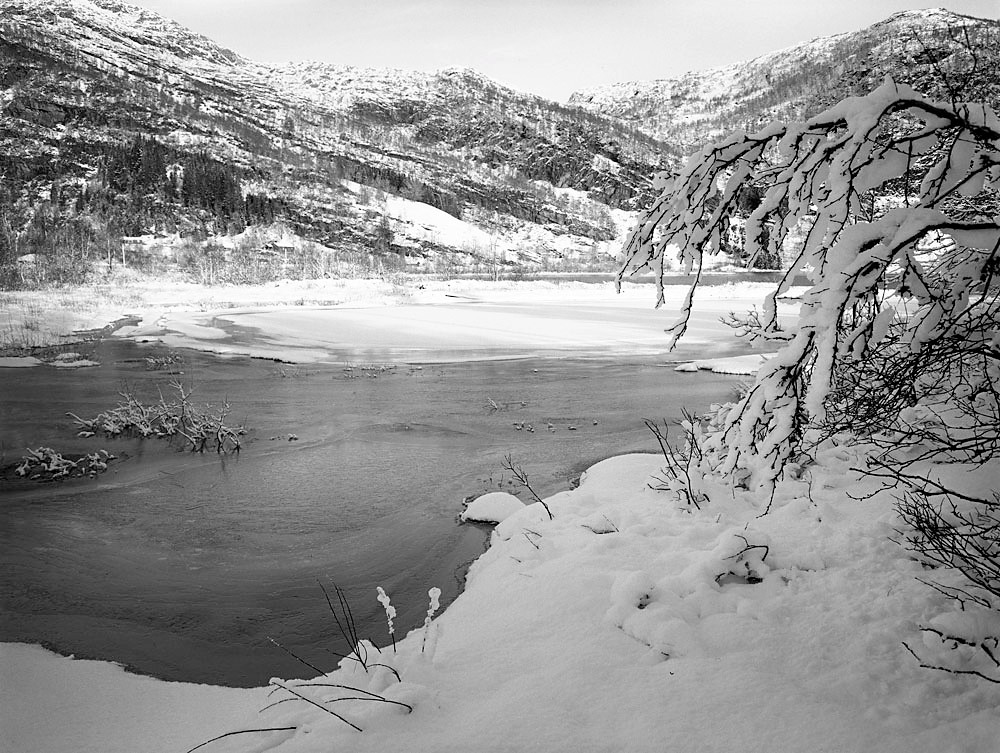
[182,566]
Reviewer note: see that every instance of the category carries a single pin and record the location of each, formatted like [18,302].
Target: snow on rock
[745,365]
[78,364]
[493,507]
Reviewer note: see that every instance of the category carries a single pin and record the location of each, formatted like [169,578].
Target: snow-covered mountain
[383,161]
[925,48]
[112,117]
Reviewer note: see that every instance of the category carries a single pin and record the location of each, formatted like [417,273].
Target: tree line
[134,187]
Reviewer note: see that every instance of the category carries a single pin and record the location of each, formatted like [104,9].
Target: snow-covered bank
[49,704]
[628,622]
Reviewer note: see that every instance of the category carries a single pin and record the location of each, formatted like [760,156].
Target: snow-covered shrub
[867,258]
[936,398]
[684,469]
[957,531]
[956,535]
[963,642]
[434,603]
[198,428]
[45,464]
[390,614]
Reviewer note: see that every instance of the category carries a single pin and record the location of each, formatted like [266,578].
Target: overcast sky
[547,47]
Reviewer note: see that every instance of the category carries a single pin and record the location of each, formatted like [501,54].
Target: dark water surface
[180,566]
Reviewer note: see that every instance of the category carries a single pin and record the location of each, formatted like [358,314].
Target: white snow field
[49,703]
[324,320]
[628,622]
[459,321]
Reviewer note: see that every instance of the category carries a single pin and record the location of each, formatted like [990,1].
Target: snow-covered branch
[886,202]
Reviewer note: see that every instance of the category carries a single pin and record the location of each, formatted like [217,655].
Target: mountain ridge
[789,83]
[541,181]
[118,121]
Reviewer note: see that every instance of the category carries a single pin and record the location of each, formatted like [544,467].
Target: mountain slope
[117,122]
[923,48]
[323,145]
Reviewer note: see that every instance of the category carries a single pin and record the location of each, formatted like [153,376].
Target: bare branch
[522,478]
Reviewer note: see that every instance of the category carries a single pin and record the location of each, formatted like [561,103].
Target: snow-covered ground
[627,621]
[49,703]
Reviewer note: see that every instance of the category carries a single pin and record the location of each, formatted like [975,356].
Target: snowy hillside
[80,75]
[333,153]
[796,81]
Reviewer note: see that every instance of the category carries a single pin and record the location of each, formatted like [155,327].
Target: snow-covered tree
[888,204]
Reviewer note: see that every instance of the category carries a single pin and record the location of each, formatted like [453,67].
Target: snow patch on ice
[739,365]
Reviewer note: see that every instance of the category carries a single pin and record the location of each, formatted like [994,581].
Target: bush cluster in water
[45,464]
[198,428]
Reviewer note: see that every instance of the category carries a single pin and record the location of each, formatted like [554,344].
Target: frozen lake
[588,321]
